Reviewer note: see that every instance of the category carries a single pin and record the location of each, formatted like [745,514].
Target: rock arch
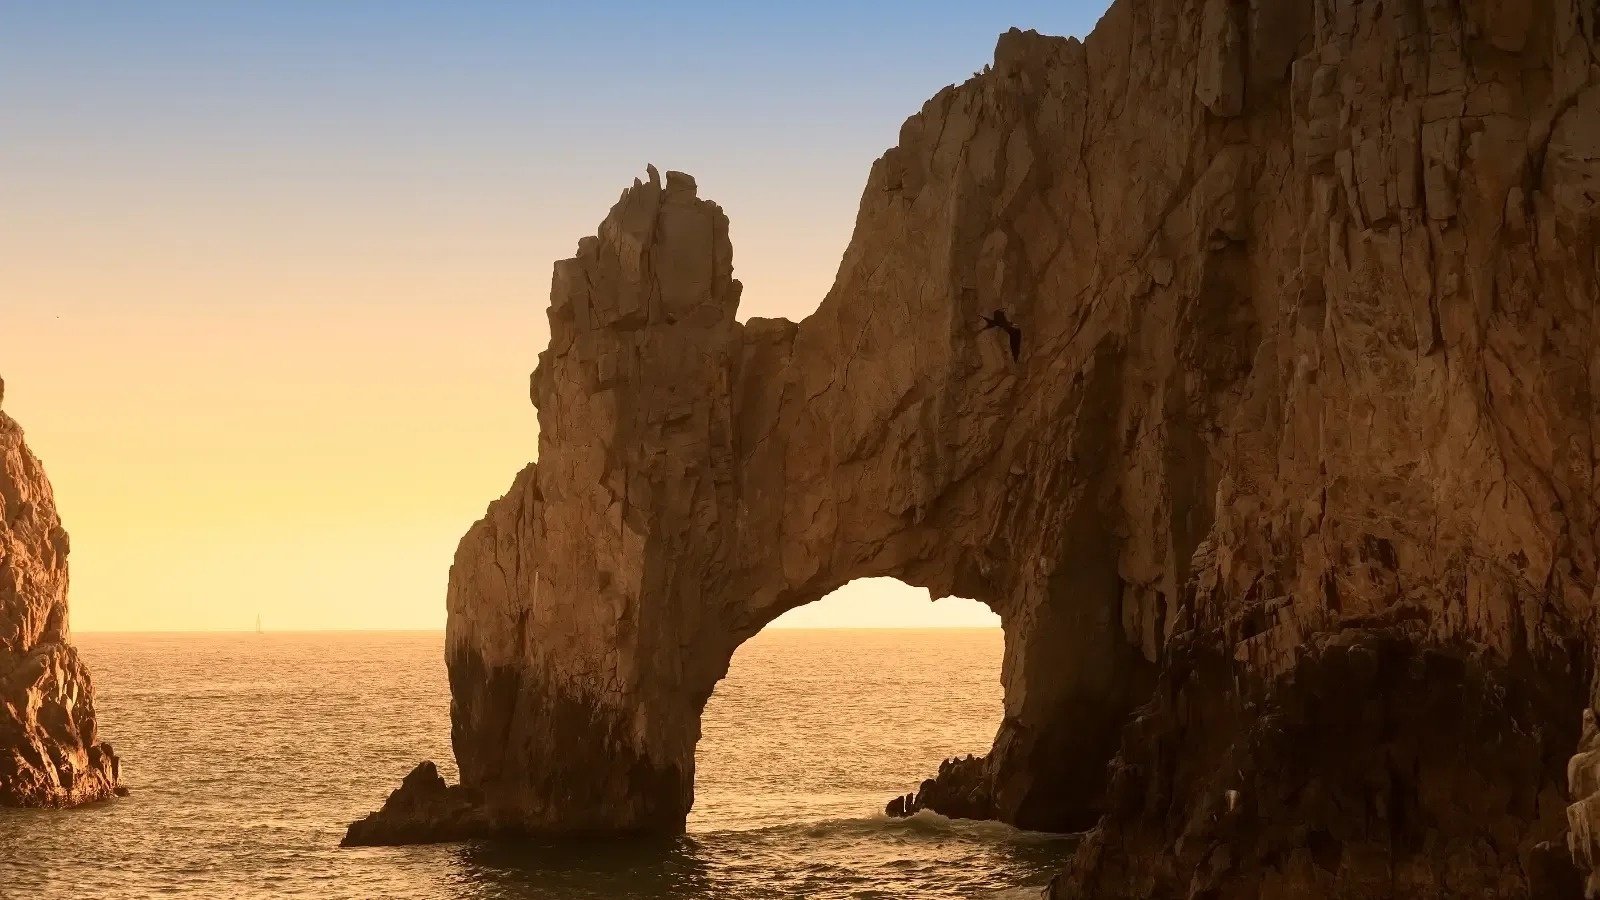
[698,477]
[1298,454]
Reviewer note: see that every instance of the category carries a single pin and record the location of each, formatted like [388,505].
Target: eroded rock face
[1307,298]
[50,751]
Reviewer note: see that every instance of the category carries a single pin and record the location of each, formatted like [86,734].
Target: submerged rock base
[1381,766]
[50,754]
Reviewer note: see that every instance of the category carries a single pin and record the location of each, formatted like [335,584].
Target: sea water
[247,754]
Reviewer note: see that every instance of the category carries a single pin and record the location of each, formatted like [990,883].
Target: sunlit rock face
[1303,413]
[50,752]
[697,477]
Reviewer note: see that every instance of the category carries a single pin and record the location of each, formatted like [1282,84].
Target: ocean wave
[923,823]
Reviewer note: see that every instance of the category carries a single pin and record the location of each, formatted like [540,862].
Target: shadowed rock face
[50,752]
[1381,765]
[1307,300]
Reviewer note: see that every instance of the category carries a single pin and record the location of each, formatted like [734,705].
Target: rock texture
[1288,507]
[1583,816]
[50,751]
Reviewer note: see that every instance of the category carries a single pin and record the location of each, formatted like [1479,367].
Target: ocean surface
[247,754]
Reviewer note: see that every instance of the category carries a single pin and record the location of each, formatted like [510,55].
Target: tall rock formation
[50,751]
[1288,507]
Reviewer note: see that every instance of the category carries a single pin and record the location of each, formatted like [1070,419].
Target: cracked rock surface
[1306,400]
[50,751]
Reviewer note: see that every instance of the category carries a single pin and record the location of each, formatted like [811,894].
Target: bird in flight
[999,320]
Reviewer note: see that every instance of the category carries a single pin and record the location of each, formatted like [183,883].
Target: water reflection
[247,754]
[642,869]
[927,856]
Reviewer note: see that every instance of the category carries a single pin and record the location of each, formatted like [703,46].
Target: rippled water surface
[247,754]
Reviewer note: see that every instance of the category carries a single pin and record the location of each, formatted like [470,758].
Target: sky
[273,274]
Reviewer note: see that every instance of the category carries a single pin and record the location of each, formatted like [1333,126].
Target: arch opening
[837,706]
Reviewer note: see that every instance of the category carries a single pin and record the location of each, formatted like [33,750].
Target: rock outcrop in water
[50,751]
[424,809]
[1288,506]
[961,790]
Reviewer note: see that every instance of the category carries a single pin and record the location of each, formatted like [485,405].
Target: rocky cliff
[1288,502]
[50,752]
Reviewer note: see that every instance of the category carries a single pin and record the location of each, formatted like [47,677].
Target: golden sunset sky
[273,275]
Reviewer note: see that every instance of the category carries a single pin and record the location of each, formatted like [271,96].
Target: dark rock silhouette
[961,790]
[423,809]
[1291,520]
[1013,333]
[50,750]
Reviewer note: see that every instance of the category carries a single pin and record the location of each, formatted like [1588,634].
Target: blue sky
[525,116]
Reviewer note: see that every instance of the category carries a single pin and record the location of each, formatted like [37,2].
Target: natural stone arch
[698,476]
[1303,424]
